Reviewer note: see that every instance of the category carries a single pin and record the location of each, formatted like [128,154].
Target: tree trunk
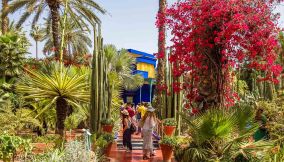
[36,50]
[55,17]
[69,52]
[4,18]
[61,113]
[161,61]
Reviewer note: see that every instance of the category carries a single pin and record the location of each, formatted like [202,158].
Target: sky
[129,24]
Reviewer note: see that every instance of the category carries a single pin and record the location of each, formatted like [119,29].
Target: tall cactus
[173,99]
[98,82]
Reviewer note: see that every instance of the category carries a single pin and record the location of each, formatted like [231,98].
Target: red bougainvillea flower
[211,38]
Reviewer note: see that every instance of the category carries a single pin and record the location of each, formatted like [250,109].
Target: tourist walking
[141,110]
[130,111]
[148,123]
[126,131]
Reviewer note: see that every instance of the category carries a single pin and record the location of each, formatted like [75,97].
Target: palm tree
[59,88]
[37,35]
[4,18]
[76,39]
[80,11]
[119,73]
[161,59]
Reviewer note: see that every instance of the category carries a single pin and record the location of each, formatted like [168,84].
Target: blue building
[146,67]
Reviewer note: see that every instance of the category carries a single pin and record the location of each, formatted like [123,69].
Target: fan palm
[76,38]
[37,35]
[80,11]
[119,72]
[60,88]
[220,135]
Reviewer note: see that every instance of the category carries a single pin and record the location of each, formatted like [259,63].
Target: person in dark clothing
[126,131]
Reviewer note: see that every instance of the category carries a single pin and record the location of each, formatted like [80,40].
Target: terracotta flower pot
[107,150]
[167,152]
[169,130]
[70,136]
[41,147]
[107,128]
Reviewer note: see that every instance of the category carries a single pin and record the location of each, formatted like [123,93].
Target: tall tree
[37,35]
[161,57]
[4,18]
[80,11]
[76,41]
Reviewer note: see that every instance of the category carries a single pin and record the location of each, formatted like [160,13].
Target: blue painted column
[141,93]
[150,90]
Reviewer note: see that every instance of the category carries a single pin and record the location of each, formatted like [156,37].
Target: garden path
[119,155]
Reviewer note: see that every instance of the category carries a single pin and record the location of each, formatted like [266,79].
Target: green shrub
[10,144]
[171,141]
[49,138]
[169,122]
[107,122]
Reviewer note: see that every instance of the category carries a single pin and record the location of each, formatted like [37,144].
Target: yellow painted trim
[146,67]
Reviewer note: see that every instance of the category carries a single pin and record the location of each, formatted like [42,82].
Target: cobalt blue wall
[145,90]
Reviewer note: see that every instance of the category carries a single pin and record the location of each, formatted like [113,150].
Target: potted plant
[70,123]
[44,143]
[183,143]
[107,125]
[106,141]
[167,145]
[169,125]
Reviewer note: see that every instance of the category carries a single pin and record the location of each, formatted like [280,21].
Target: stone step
[136,144]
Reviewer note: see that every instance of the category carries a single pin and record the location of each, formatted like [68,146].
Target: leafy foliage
[170,141]
[119,69]
[221,135]
[13,47]
[274,110]
[107,122]
[10,144]
[14,121]
[169,122]
[78,11]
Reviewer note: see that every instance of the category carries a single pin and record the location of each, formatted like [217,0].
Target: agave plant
[59,88]
[221,135]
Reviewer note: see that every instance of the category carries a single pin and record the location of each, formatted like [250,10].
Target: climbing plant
[213,38]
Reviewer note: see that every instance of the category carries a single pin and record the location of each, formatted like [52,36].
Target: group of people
[144,118]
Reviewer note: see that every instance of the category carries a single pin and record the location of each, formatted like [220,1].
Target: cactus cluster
[99,82]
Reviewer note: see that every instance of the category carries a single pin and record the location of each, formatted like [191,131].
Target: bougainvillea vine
[212,38]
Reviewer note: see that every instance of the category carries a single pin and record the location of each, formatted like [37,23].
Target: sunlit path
[119,155]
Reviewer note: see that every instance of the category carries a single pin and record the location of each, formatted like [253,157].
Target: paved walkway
[118,155]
